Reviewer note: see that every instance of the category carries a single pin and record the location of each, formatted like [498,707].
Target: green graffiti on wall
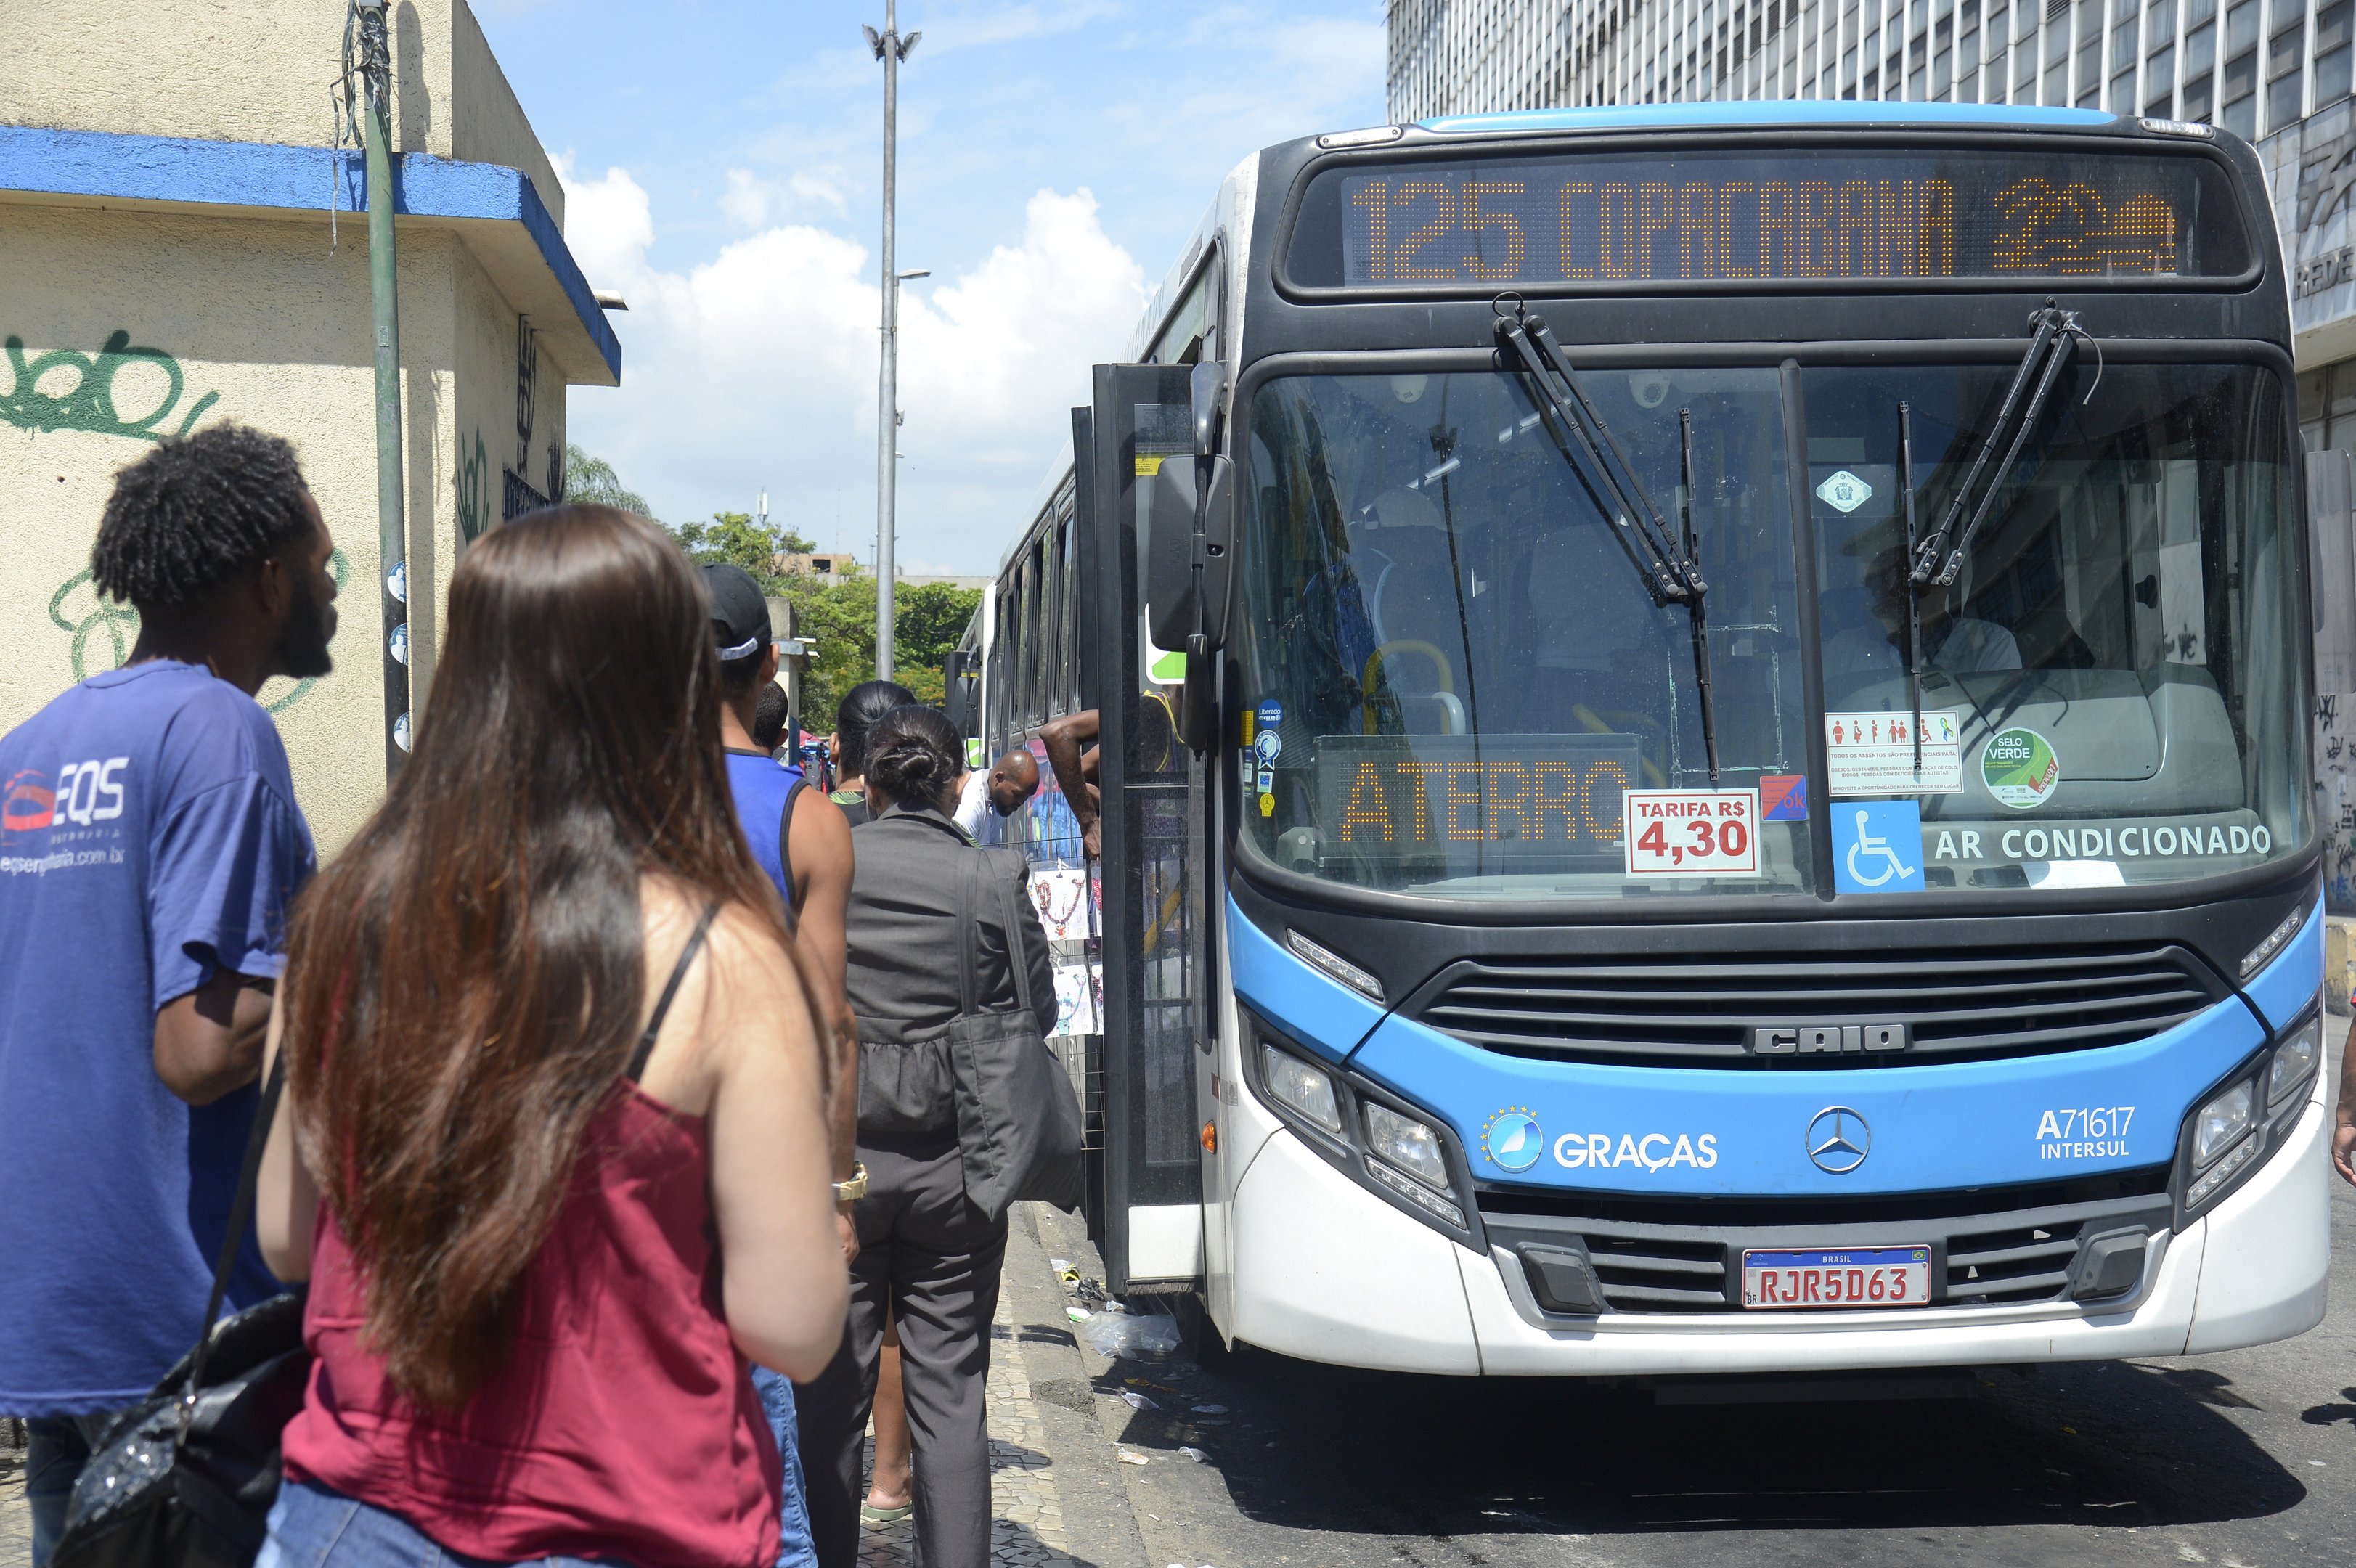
[66,390]
[474,493]
[113,628]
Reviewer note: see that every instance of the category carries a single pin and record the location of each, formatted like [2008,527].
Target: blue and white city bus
[1705,753]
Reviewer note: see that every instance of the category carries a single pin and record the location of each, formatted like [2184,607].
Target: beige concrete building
[168,258]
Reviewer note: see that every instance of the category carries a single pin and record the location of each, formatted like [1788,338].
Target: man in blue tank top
[801,840]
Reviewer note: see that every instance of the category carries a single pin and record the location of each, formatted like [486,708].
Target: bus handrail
[1410,645]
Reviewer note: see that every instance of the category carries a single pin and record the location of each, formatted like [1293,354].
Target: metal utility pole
[374,67]
[891,49]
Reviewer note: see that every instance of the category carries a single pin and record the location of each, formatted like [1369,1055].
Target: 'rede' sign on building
[182,240]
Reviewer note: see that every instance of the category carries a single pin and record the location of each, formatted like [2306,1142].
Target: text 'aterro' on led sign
[1520,797]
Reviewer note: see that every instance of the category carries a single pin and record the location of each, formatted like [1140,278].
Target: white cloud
[757,368]
[751,201]
[608,223]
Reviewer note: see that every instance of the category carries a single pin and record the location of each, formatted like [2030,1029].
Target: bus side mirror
[1189,550]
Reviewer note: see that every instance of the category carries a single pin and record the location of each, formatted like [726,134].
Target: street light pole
[373,66]
[891,49]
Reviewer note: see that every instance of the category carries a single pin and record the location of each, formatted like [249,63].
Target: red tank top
[623,1425]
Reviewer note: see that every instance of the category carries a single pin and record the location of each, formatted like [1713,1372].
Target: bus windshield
[1454,671]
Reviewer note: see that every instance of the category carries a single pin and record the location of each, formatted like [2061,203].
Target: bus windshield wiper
[2051,349]
[1700,625]
[1913,589]
[1671,574]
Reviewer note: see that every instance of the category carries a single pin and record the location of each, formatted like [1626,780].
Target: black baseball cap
[739,617]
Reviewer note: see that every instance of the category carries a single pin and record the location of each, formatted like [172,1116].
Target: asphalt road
[2246,1459]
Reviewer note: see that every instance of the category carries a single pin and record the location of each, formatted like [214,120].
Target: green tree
[930,619]
[593,479]
[839,618]
[732,539]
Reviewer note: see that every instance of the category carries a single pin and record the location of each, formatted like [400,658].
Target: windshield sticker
[1878,846]
[1784,798]
[2122,843]
[1873,753]
[2020,768]
[1691,832]
[1271,713]
[1270,745]
[1845,492]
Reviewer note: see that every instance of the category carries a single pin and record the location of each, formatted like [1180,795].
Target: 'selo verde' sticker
[2020,768]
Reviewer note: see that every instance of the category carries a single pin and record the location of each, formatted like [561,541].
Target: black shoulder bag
[1019,1130]
[186,1478]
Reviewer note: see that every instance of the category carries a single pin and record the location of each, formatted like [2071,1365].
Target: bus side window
[1034,640]
[1068,690]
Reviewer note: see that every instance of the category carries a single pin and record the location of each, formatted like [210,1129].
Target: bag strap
[662,1004]
[241,1213]
[968,1003]
[1007,912]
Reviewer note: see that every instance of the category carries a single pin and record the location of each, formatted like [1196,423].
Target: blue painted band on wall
[122,167]
[1788,113]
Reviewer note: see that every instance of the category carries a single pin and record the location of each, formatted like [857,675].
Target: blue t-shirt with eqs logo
[148,838]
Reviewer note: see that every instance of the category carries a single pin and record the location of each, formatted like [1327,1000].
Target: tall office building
[2254,74]
[2274,71]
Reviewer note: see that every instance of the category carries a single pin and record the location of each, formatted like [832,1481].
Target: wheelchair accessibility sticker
[1878,846]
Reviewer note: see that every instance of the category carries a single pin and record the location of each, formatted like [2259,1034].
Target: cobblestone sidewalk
[1027,1527]
[16,1518]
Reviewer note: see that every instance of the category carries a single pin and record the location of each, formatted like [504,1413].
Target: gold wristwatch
[853,1191]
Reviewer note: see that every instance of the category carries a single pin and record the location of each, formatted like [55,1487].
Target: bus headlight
[2223,1119]
[1407,1144]
[1301,1087]
[2294,1063]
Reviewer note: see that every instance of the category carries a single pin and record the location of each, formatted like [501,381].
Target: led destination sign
[1551,800]
[1805,214]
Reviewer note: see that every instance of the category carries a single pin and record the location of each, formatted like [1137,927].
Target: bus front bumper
[1327,1272]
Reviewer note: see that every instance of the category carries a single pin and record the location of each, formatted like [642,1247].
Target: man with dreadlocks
[149,847]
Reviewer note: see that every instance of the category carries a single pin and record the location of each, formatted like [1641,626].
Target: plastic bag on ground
[1118,1334]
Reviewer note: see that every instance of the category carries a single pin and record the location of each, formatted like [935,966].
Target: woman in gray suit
[926,1251]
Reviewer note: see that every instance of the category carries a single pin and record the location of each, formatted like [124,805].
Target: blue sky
[723,165]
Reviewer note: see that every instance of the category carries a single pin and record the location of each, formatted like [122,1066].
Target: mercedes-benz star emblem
[1838,1141]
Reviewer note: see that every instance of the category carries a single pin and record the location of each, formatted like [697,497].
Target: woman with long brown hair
[554,1156]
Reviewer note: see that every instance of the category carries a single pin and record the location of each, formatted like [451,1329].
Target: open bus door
[1156,956]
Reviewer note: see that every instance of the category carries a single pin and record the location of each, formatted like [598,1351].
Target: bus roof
[1780,112]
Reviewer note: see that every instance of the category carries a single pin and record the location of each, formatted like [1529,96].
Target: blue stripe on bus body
[1321,1014]
[1931,1126]
[1791,113]
[2286,985]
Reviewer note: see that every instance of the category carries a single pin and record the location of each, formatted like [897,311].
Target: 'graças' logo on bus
[1648,1151]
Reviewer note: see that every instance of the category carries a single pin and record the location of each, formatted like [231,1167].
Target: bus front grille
[1671,1010]
[1991,1247]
